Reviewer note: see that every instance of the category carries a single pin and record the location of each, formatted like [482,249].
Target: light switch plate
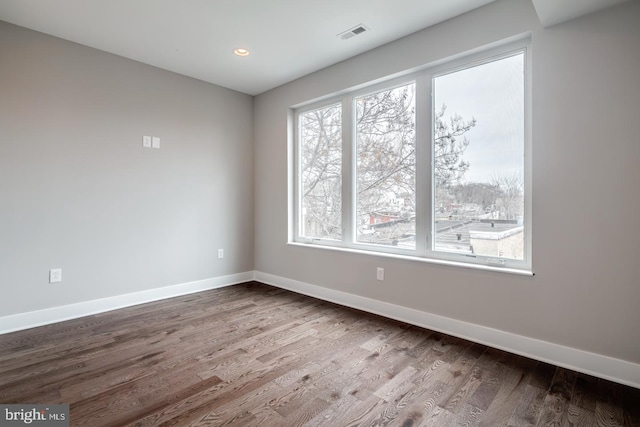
[146,141]
[155,142]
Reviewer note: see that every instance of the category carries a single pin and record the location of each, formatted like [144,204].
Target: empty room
[320,213]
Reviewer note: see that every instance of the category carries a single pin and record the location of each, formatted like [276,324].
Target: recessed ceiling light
[241,52]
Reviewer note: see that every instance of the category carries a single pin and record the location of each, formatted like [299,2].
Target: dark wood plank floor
[252,355]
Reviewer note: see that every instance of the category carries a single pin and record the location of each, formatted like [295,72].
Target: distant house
[494,238]
[383,217]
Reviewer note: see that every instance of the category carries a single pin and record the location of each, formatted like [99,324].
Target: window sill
[417,259]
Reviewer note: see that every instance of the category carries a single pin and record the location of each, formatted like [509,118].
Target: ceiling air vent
[353,32]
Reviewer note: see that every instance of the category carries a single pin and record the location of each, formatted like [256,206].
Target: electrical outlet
[380,273]
[155,142]
[220,253]
[55,275]
[146,141]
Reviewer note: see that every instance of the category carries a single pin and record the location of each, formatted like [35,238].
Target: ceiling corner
[552,12]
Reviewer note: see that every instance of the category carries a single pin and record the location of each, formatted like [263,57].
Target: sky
[493,93]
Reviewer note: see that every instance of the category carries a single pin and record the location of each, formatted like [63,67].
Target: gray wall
[78,191]
[586,151]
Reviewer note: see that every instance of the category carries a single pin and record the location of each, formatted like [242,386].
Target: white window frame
[425,226]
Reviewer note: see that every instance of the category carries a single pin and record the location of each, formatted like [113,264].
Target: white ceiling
[287,38]
[552,12]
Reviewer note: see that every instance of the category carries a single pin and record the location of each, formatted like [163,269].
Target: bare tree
[321,172]
[510,201]
[385,158]
[478,193]
[385,149]
[450,142]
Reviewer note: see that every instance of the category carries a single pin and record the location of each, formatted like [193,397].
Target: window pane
[478,149]
[386,169]
[321,173]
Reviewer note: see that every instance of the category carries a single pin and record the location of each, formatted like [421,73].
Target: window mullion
[297,185]
[424,197]
[348,172]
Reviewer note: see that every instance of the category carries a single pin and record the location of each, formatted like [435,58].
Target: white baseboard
[606,367]
[47,316]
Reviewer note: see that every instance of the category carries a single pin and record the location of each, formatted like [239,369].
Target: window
[478,149]
[432,165]
[386,167]
[320,144]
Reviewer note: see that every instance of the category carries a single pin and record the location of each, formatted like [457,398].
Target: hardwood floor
[254,355]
